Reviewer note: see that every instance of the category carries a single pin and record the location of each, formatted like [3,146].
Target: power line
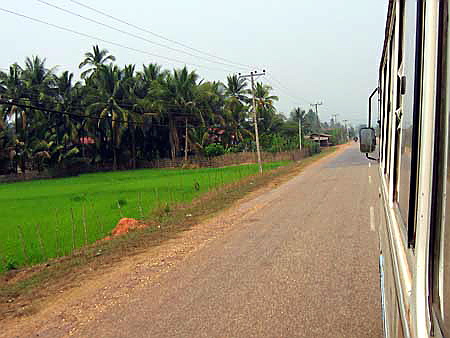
[287,90]
[290,98]
[157,35]
[134,35]
[37,106]
[29,94]
[107,41]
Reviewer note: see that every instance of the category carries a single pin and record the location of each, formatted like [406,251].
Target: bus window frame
[389,111]
[398,104]
[440,168]
[417,116]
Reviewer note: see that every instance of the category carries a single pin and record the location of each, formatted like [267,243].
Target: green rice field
[50,218]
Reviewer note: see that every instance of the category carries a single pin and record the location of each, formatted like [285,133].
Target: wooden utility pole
[252,75]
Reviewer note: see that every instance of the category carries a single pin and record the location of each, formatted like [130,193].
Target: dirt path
[104,301]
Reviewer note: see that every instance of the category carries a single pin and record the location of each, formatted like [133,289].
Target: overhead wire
[156,34]
[134,35]
[37,106]
[285,89]
[28,94]
[107,41]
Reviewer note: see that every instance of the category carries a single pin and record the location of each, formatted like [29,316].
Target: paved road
[298,261]
[305,265]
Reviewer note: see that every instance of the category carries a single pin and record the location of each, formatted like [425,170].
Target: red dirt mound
[126,225]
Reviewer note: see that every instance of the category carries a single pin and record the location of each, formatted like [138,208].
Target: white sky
[320,50]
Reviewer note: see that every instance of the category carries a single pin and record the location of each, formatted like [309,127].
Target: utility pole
[300,131]
[252,75]
[186,142]
[346,130]
[335,119]
[317,114]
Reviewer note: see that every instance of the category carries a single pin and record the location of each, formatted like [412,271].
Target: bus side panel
[391,313]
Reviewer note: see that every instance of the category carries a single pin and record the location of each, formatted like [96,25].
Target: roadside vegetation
[49,218]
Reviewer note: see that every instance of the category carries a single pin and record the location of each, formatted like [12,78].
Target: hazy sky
[319,50]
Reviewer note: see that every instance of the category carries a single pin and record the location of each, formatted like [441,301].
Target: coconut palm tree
[107,106]
[94,60]
[237,88]
[12,88]
[39,89]
[235,109]
[67,99]
[175,96]
[265,110]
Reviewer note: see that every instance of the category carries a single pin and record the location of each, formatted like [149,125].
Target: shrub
[312,146]
[214,149]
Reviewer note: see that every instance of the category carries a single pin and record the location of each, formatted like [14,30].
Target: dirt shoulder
[68,293]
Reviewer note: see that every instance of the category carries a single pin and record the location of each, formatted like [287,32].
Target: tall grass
[50,218]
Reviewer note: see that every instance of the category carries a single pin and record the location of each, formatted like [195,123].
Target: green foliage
[10,264]
[214,149]
[119,116]
[338,136]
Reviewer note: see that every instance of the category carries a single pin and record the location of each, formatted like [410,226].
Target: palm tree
[36,76]
[235,109]
[12,88]
[67,100]
[153,72]
[107,105]
[264,104]
[94,60]
[39,83]
[175,96]
[237,88]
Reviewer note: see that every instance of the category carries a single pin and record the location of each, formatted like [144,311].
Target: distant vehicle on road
[414,157]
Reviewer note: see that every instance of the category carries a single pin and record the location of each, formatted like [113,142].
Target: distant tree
[311,124]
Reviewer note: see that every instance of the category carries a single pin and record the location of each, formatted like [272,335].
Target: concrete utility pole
[346,130]
[300,132]
[335,119]
[317,113]
[186,142]
[252,75]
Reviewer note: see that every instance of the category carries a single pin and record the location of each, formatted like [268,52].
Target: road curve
[303,263]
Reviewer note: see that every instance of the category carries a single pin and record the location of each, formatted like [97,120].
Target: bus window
[413,69]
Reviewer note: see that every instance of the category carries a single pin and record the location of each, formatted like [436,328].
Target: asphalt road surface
[302,263]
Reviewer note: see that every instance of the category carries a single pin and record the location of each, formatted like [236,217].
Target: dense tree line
[119,116]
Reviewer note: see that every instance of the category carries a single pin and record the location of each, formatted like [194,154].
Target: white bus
[413,153]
